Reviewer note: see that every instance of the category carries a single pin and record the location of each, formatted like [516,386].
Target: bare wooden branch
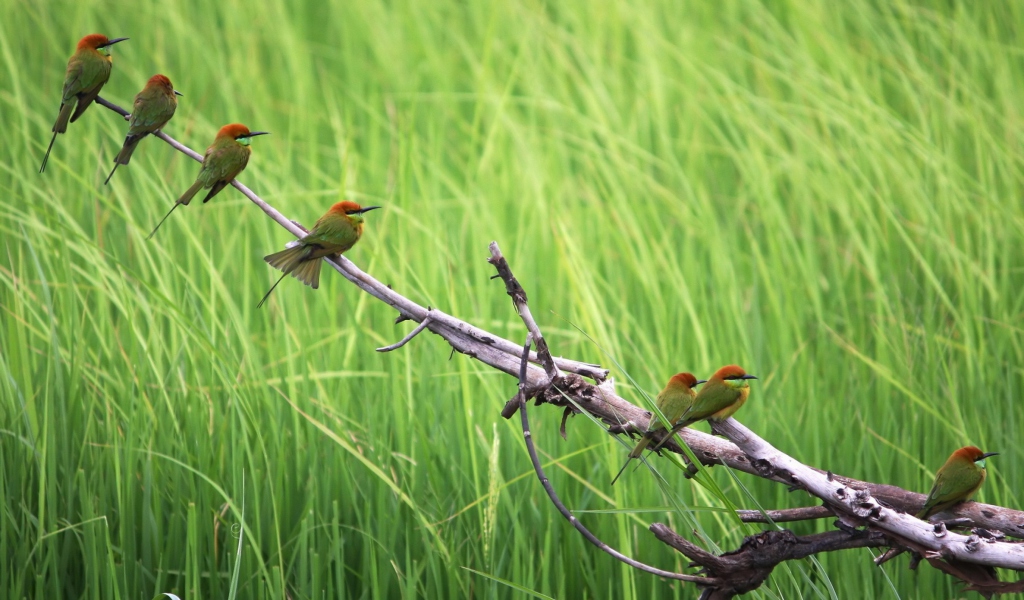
[518,295]
[857,507]
[423,325]
[108,104]
[786,515]
[877,507]
[745,569]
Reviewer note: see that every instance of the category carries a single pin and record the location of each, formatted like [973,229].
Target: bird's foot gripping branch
[866,514]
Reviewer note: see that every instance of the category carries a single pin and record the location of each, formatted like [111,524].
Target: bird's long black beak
[701,381]
[111,42]
[748,377]
[177,93]
[366,209]
[253,134]
[988,454]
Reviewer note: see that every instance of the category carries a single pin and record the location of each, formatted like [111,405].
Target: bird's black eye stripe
[733,377]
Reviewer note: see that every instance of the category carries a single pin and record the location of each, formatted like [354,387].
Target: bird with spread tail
[223,161]
[88,70]
[153,108]
[335,232]
[672,402]
[957,480]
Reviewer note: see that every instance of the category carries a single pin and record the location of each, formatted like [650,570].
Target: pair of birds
[88,70]
[956,481]
[719,399]
[335,232]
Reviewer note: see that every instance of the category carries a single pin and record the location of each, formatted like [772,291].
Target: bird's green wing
[674,403]
[709,401]
[953,483]
[334,233]
[151,111]
[90,72]
[72,80]
[223,162]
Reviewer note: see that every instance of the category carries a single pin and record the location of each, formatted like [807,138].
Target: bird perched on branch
[672,401]
[957,480]
[223,161]
[335,232]
[720,397]
[153,108]
[88,70]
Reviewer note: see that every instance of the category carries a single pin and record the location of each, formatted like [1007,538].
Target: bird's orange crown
[160,81]
[970,453]
[686,379]
[233,131]
[93,41]
[345,207]
[729,372]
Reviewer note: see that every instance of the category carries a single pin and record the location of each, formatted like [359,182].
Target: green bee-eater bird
[957,480]
[335,232]
[223,161]
[720,397]
[153,108]
[672,401]
[88,69]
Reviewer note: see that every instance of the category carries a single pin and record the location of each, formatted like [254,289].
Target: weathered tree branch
[857,507]
[745,569]
[423,325]
[531,448]
[518,295]
[868,514]
[786,515]
[969,558]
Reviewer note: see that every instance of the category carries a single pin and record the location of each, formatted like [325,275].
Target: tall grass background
[826,193]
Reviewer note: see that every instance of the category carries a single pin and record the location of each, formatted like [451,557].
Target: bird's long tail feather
[46,157]
[111,172]
[267,295]
[634,453]
[309,272]
[286,260]
[176,205]
[190,192]
[125,155]
[619,474]
[639,448]
[83,103]
[674,431]
[130,143]
[61,126]
[295,261]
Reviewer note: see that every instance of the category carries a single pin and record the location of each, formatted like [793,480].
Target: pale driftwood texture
[867,514]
